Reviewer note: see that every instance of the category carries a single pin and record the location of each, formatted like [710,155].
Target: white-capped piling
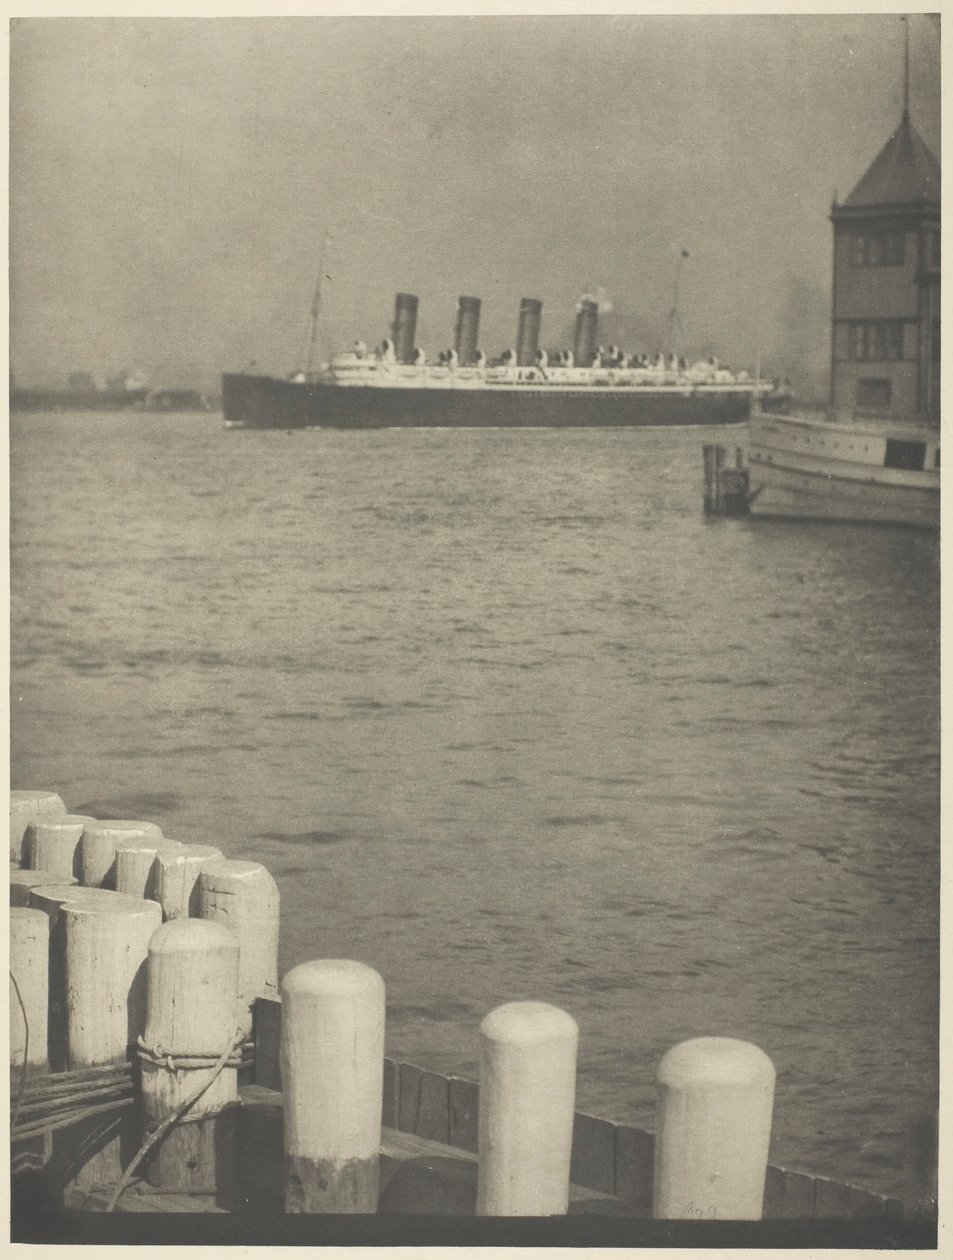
[25,806]
[527,1105]
[98,844]
[715,1098]
[106,938]
[177,871]
[190,1030]
[244,897]
[107,941]
[137,863]
[29,988]
[22,880]
[52,842]
[332,1066]
[50,898]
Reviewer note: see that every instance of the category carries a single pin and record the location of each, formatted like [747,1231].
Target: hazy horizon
[172,180]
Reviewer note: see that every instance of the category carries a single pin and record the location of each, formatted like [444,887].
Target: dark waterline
[506,717]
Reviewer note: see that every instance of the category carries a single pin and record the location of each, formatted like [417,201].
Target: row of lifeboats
[350,368]
[603,357]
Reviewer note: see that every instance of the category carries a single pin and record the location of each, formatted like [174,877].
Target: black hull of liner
[266,402]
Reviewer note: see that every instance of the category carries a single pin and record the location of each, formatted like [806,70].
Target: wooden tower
[885,343]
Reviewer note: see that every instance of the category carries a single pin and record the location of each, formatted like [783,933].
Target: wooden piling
[23,879]
[710,456]
[98,844]
[177,871]
[106,936]
[24,808]
[29,989]
[527,1103]
[244,897]
[107,941]
[137,863]
[52,843]
[332,1066]
[190,1025]
[727,490]
[715,1097]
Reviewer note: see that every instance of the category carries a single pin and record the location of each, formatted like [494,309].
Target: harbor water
[506,718]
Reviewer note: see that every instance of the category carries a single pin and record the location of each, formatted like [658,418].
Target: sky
[172,180]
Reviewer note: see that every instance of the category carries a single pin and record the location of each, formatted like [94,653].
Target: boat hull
[808,470]
[264,402]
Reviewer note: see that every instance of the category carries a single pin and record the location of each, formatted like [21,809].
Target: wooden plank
[862,1203]
[634,1165]
[391,1098]
[261,1155]
[30,1153]
[409,1097]
[424,1178]
[266,1021]
[830,1198]
[464,1114]
[593,1153]
[433,1112]
[139,1197]
[788,1195]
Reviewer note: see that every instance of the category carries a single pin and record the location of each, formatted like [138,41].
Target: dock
[160,1069]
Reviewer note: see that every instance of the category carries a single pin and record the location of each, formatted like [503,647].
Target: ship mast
[316,306]
[674,319]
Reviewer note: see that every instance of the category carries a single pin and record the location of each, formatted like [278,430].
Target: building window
[873,395]
[877,249]
[876,340]
[931,249]
[911,456]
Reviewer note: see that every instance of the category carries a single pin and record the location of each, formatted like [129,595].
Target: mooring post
[52,842]
[97,849]
[244,897]
[106,936]
[527,1104]
[50,898]
[715,1097]
[190,1041]
[24,808]
[137,865]
[29,990]
[22,881]
[711,479]
[332,1070]
[177,871]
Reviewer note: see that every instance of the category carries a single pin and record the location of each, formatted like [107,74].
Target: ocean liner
[394,386]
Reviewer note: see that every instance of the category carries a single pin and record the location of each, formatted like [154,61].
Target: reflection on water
[506,717]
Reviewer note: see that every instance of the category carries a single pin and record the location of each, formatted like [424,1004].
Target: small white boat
[869,471]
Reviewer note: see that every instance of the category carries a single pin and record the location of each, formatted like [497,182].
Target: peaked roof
[903,172]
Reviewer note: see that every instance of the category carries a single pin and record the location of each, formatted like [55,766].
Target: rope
[174,1061]
[26,1052]
[49,1124]
[165,1058]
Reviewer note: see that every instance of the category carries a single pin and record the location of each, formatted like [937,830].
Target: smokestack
[404,327]
[467,329]
[587,328]
[527,335]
